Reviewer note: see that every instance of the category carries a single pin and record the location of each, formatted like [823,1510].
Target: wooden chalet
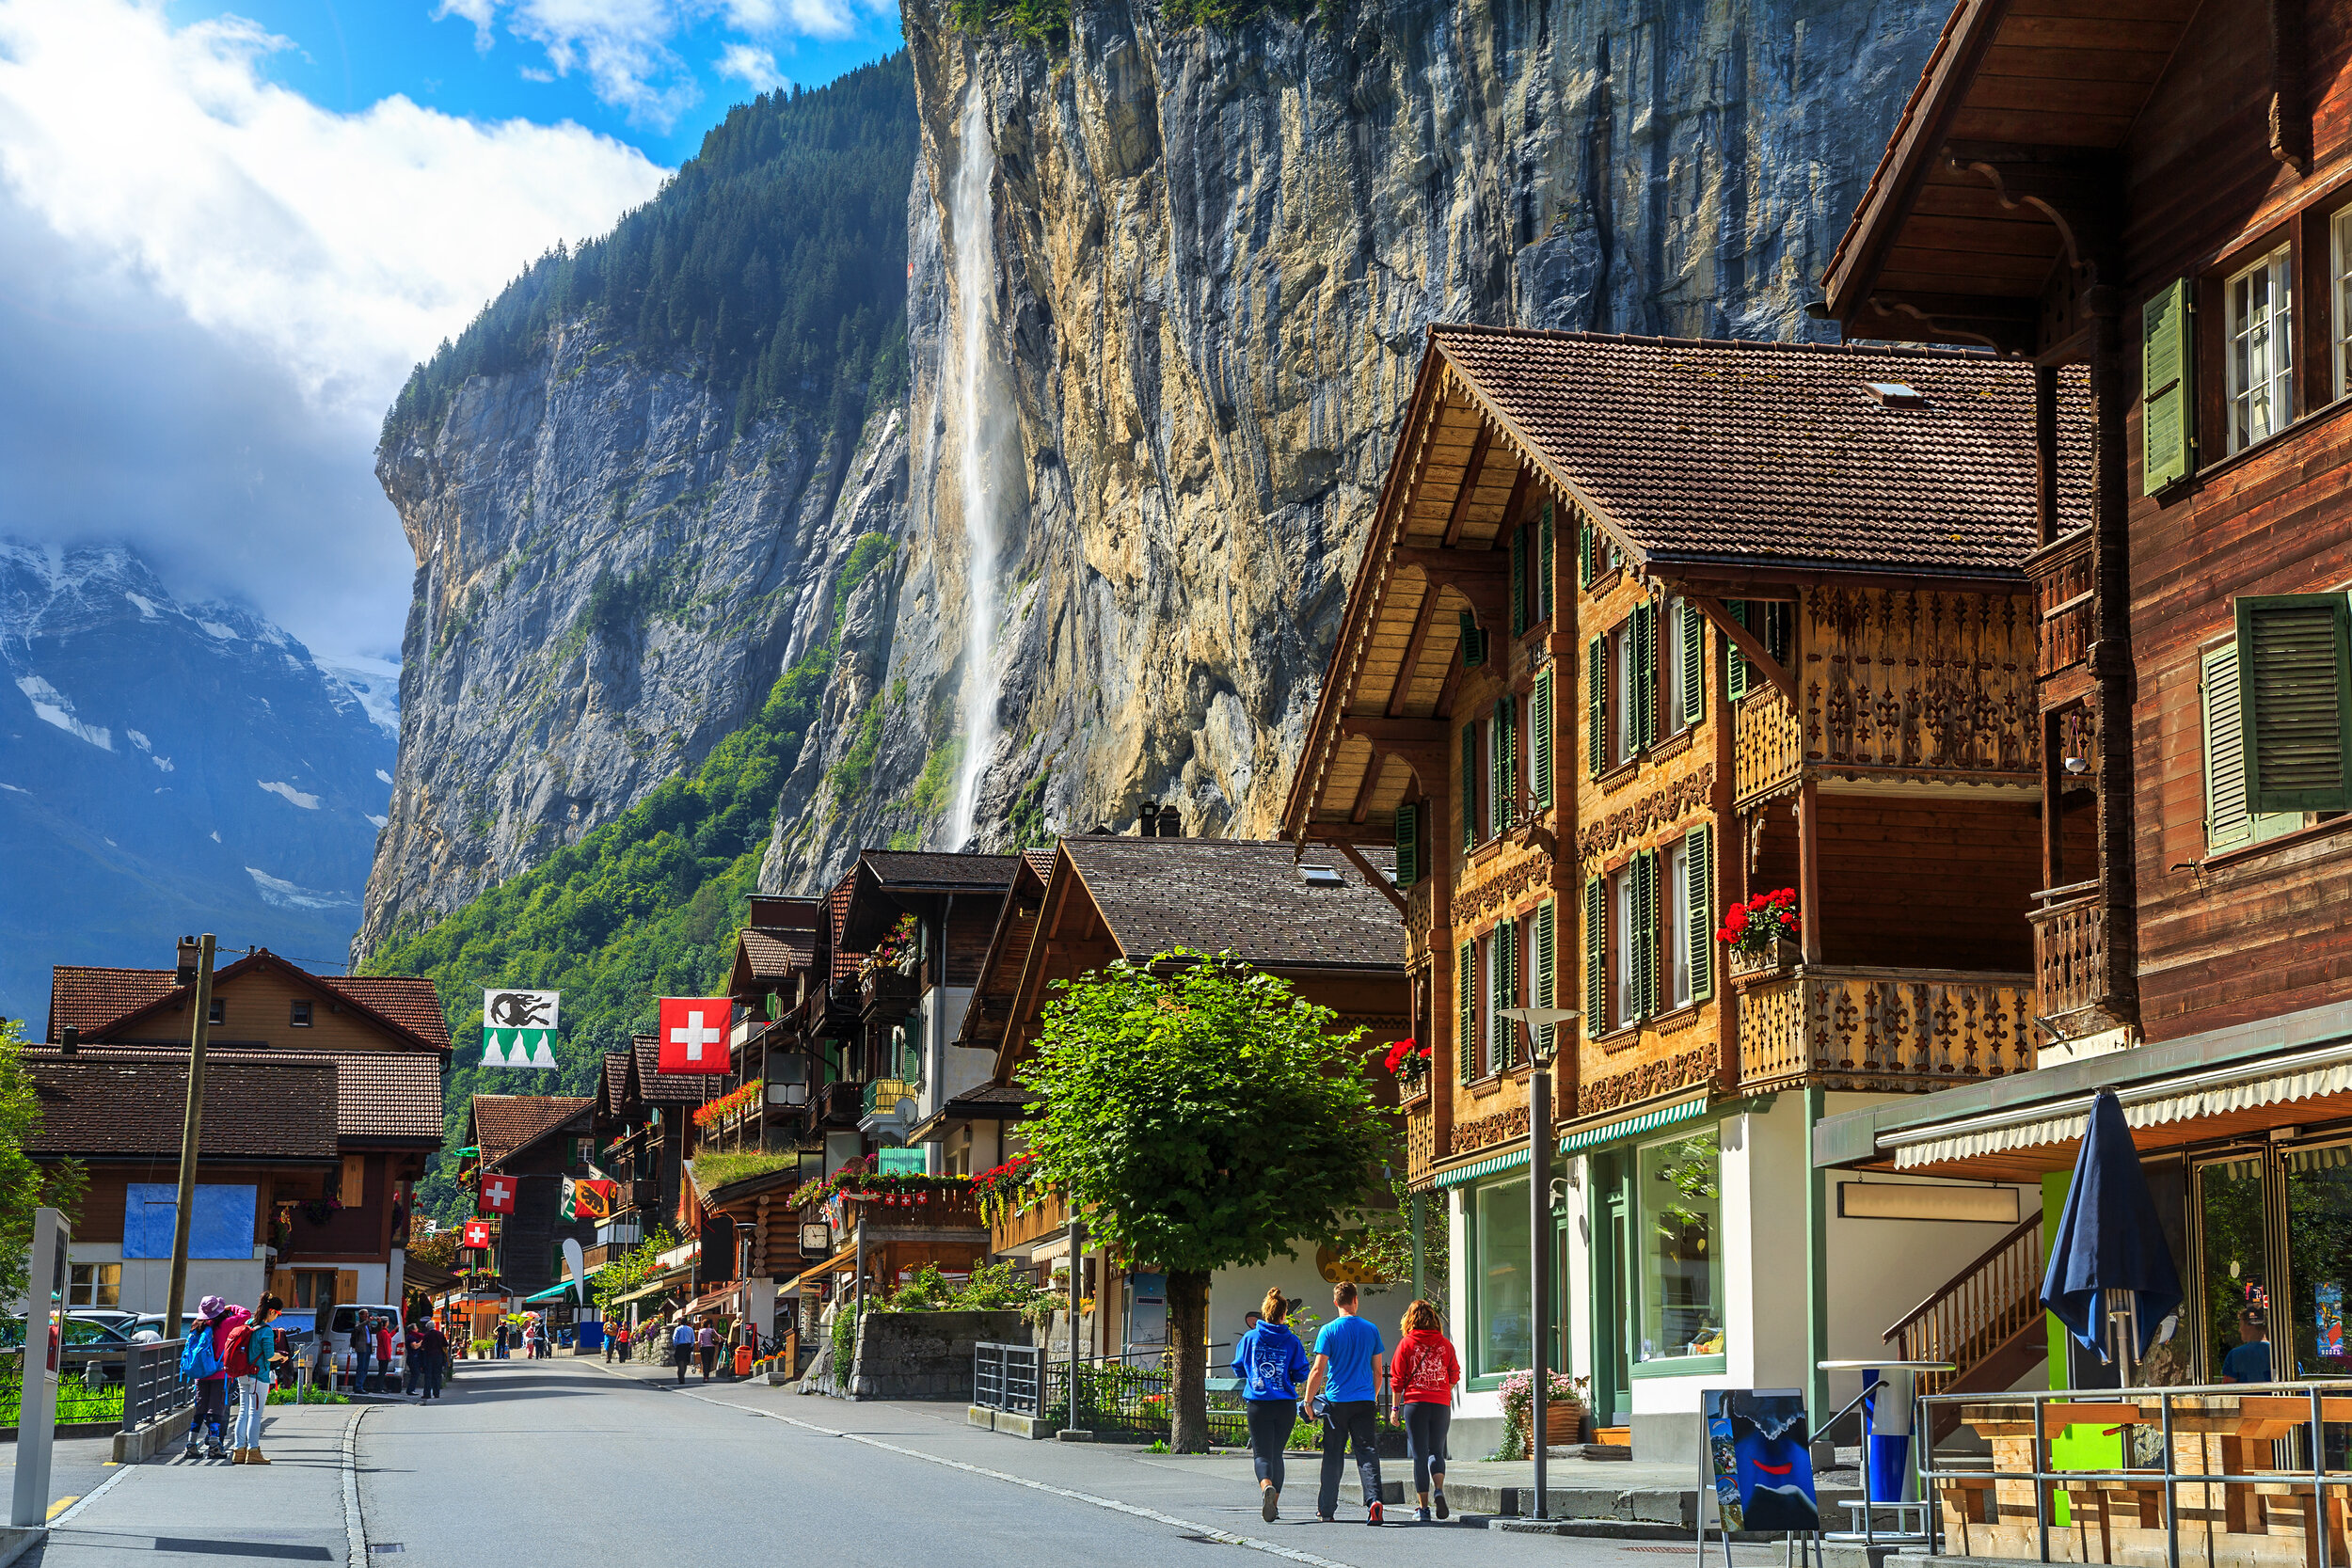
[328,1221]
[1645,629]
[2156,196]
[532,1143]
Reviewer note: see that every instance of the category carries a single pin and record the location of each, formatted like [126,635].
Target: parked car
[92,1341]
[113,1317]
[338,1329]
[148,1327]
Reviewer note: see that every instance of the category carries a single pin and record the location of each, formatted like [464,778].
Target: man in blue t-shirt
[2249,1361]
[1348,1373]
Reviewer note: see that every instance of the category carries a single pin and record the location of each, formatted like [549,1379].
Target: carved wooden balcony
[1886,1029]
[2062,585]
[2070,951]
[1420,1139]
[1768,746]
[1047,1215]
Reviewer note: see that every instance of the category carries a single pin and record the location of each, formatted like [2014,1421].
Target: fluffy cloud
[755,67]
[211,288]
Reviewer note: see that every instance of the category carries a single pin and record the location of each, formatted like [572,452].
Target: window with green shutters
[1468,790]
[1700,901]
[1547,957]
[1694,633]
[1595,957]
[1543,565]
[1586,566]
[1466,1050]
[1644,644]
[1518,580]
[1504,963]
[1473,642]
[1539,738]
[1596,702]
[2229,825]
[1771,622]
[1643,937]
[1407,845]
[2295,694]
[2167,364]
[1504,750]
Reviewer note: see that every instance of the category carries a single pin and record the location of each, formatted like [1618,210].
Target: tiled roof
[920,868]
[1038,861]
[86,997]
[1883,172]
[504,1123]
[775,955]
[407,1000]
[836,912]
[379,1094]
[612,1084]
[665,1088]
[90,998]
[1780,451]
[121,1102]
[1241,895]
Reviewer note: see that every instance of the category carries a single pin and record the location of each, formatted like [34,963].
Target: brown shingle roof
[921,868]
[1779,451]
[86,996]
[612,1084]
[92,998]
[665,1088]
[504,1123]
[121,1102]
[407,1000]
[1239,895]
[379,1094]
[775,955]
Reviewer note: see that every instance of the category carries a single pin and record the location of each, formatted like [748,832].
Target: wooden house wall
[362,1229]
[99,1218]
[2261,931]
[970,925]
[257,1009]
[1937,883]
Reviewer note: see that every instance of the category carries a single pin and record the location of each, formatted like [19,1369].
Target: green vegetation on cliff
[647,906]
[775,258]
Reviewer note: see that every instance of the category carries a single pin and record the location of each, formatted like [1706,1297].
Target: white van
[347,1318]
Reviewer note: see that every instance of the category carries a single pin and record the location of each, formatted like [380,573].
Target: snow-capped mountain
[171,767]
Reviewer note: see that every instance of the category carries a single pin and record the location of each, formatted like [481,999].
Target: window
[1469,1038]
[1501,1289]
[315,1289]
[2259,302]
[1472,752]
[1678,925]
[1502,968]
[1622,928]
[94,1285]
[216,1013]
[301,1019]
[1674,710]
[2341,271]
[2278,717]
[1623,742]
[1678,1248]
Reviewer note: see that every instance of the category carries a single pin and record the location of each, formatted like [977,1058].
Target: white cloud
[288,792]
[755,67]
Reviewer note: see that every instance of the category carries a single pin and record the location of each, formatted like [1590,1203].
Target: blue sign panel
[222,1225]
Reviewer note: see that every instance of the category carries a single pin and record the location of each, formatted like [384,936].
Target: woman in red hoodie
[1423,1374]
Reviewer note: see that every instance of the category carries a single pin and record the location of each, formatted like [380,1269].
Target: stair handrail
[2024,1227]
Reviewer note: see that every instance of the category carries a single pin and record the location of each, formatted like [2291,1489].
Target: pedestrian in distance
[682,1347]
[247,1352]
[707,1343]
[498,1343]
[1270,1360]
[362,1350]
[200,1362]
[384,1355]
[1423,1377]
[428,1360]
[409,1339]
[1344,1386]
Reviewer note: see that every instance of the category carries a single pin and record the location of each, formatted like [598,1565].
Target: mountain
[169,767]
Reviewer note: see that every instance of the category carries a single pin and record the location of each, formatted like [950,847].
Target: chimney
[1144,825]
[1170,824]
[69,1043]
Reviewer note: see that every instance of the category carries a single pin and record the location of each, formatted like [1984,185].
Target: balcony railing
[2062,585]
[1768,745]
[884,1094]
[937,1209]
[1421,1141]
[1888,1029]
[2070,950]
[1048,1215]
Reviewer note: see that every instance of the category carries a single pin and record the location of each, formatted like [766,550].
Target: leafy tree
[1204,1116]
[25,1185]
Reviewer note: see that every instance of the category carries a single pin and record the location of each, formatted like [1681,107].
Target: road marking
[58,1520]
[354,1531]
[62,1504]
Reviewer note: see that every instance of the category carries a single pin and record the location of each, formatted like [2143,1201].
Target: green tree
[1204,1116]
[25,1185]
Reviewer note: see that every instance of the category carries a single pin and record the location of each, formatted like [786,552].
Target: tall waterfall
[982,429]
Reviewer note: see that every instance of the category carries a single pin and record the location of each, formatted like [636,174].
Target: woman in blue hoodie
[1270,1360]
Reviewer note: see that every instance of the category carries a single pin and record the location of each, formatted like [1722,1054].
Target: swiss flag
[475,1234]
[694,1033]
[498,1195]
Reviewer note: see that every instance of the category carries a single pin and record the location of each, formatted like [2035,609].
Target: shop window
[1679,1248]
[2230,1231]
[95,1284]
[2319,1264]
[1501,1296]
[2260,361]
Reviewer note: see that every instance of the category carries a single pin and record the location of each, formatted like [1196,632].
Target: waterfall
[982,429]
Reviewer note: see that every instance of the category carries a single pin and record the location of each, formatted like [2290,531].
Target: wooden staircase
[1986,1319]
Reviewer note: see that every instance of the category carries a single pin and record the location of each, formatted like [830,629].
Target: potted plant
[1563,1410]
[1408,1062]
[1762,933]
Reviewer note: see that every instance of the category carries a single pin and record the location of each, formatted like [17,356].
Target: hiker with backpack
[202,1362]
[247,1357]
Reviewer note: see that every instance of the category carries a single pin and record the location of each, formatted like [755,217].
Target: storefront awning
[658,1285]
[1590,1133]
[1484,1167]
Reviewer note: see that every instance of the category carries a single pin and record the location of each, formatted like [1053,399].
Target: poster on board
[1758,1459]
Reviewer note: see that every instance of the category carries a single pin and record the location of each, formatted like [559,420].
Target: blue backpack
[197,1359]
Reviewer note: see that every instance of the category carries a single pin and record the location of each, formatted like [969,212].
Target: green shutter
[1469,792]
[1694,632]
[1473,642]
[1505,744]
[1700,844]
[1539,738]
[1407,846]
[1595,957]
[1597,701]
[1585,573]
[1466,1022]
[1543,566]
[1518,580]
[1644,967]
[1645,676]
[1734,666]
[1503,984]
[2295,685]
[2228,823]
[2167,364]
[1547,959]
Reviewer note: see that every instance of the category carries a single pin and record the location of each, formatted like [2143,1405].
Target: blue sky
[226,232]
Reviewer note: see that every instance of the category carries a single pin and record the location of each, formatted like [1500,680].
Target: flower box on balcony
[1769,965]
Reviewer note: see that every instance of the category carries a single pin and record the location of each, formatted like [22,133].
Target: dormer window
[301,1019]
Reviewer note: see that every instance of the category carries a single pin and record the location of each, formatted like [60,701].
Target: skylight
[1894,394]
[1319,876]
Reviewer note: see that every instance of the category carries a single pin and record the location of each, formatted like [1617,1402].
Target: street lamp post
[1542,1025]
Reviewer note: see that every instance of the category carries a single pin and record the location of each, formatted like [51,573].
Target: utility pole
[1542,1025]
[1077,1266]
[195,968]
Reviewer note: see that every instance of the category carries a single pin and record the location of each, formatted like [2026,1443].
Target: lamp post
[1542,1025]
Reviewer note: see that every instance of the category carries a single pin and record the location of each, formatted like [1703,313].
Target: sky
[228,232]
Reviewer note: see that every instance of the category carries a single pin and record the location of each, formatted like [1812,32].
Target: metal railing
[1120,1396]
[152,1385]
[1978,1309]
[884,1094]
[1008,1377]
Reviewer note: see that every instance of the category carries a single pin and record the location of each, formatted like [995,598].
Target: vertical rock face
[1215,253]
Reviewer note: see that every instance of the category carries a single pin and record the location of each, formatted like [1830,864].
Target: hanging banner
[476,1233]
[694,1034]
[590,1199]
[498,1195]
[518,1028]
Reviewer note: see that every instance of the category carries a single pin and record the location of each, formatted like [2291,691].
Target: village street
[560,1462]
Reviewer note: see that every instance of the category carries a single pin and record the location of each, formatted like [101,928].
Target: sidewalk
[172,1510]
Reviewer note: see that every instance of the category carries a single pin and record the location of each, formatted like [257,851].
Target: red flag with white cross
[476,1233]
[498,1195]
[694,1033]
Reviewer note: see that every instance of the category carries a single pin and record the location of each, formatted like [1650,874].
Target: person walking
[251,1351]
[706,1345]
[1423,1377]
[200,1360]
[1270,1360]
[682,1346]
[428,1360]
[362,1350]
[409,1338]
[499,1342]
[1346,1375]
[384,1355]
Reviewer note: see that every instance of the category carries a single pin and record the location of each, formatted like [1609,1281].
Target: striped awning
[1589,1134]
[1484,1167]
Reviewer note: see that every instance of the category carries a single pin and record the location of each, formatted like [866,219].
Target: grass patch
[722,1167]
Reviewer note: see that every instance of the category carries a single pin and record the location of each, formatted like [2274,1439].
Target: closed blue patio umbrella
[2109,1240]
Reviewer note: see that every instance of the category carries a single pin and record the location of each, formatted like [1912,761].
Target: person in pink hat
[204,1359]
